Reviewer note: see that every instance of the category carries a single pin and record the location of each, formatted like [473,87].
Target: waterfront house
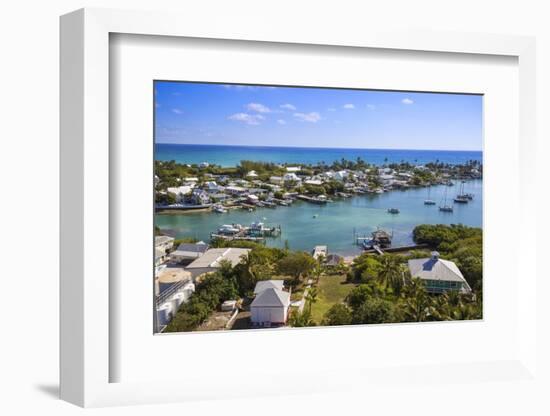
[180,192]
[387,179]
[314,182]
[438,275]
[236,190]
[276,180]
[188,251]
[271,304]
[212,186]
[341,175]
[211,260]
[320,251]
[200,197]
[291,177]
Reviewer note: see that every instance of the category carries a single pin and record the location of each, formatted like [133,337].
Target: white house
[187,251]
[180,192]
[289,177]
[341,175]
[439,275]
[212,186]
[266,284]
[314,182]
[276,180]
[200,197]
[252,174]
[211,260]
[271,304]
[164,242]
[293,168]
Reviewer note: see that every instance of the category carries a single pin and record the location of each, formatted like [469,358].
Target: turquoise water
[336,222]
[232,155]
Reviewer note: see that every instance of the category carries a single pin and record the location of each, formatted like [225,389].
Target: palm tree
[311,297]
[391,274]
[418,306]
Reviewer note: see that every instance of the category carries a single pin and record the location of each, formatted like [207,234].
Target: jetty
[321,199]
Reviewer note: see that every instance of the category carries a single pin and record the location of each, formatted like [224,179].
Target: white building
[293,168]
[439,275]
[180,192]
[212,259]
[276,180]
[341,175]
[290,177]
[187,251]
[271,304]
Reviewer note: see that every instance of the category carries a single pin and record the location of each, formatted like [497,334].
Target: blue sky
[198,113]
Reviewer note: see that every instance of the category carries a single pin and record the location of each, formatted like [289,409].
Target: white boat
[429,201]
[445,207]
[219,209]
[230,229]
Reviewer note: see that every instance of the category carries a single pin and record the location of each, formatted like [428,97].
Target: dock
[313,200]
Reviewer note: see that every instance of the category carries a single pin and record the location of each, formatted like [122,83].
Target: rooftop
[173,275]
[434,268]
[267,284]
[271,297]
[214,256]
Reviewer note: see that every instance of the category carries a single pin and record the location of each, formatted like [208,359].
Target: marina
[305,225]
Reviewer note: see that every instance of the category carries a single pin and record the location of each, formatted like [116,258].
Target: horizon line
[320,147]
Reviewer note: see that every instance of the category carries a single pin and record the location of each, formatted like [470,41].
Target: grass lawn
[330,290]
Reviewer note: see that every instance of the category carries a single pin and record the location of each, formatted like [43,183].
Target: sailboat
[429,201]
[461,197]
[445,207]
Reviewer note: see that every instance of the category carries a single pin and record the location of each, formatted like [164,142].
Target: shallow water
[337,222]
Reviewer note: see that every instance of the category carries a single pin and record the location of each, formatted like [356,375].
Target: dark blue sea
[232,155]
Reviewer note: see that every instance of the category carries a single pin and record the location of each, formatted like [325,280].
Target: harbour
[337,224]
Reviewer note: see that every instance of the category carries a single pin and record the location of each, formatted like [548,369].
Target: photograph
[281,207]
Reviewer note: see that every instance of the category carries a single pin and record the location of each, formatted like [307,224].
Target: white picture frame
[86,291]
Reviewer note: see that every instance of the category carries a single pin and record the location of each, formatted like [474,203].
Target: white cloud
[312,117]
[348,106]
[238,87]
[288,107]
[281,121]
[257,107]
[371,106]
[407,101]
[177,111]
[250,119]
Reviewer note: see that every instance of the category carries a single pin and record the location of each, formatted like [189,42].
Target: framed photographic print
[229,198]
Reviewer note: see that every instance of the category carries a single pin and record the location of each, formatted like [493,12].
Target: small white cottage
[271,304]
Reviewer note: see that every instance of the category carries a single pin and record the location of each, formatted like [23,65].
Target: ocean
[227,156]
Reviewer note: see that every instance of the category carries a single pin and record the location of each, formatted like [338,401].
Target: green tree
[391,273]
[301,319]
[297,265]
[374,311]
[417,305]
[338,314]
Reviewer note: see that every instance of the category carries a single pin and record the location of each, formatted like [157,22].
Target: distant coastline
[231,155]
